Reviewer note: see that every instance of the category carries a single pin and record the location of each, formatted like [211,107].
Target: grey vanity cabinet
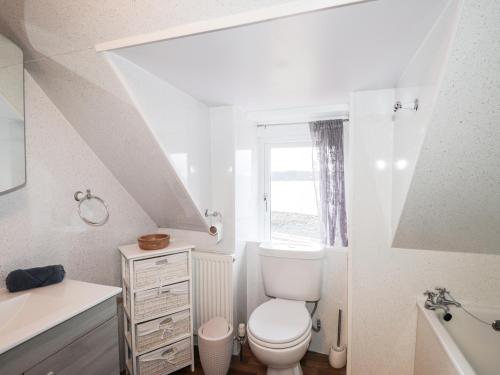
[95,353]
[86,344]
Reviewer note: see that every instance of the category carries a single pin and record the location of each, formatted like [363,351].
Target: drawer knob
[51,373]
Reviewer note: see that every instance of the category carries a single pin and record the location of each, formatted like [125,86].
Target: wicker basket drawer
[153,302]
[158,332]
[160,270]
[167,359]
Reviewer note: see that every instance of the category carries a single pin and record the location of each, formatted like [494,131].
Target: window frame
[296,133]
[265,173]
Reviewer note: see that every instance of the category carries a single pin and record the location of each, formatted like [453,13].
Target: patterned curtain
[328,166]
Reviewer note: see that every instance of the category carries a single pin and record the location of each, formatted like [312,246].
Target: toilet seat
[305,337]
[279,324]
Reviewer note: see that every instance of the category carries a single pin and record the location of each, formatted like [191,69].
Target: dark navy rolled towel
[34,277]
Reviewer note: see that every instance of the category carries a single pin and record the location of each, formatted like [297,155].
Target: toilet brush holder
[241,338]
[338,356]
[338,353]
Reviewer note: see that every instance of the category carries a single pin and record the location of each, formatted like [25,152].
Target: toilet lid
[279,321]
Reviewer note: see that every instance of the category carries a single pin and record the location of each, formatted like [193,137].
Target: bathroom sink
[20,310]
[24,315]
[10,308]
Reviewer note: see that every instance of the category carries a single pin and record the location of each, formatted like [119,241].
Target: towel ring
[81,197]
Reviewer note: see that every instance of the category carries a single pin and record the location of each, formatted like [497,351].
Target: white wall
[39,224]
[255,293]
[246,201]
[180,123]
[233,177]
[234,171]
[222,143]
[421,79]
[234,189]
[246,179]
[385,282]
[333,298]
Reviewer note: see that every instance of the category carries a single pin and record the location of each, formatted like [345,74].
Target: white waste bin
[215,343]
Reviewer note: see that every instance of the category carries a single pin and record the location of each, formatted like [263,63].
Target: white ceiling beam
[235,20]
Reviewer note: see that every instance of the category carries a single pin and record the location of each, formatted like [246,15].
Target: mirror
[12,143]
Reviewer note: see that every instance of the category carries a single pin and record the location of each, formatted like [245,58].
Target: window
[289,193]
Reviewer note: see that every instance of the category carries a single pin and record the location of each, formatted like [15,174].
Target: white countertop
[135,252]
[23,315]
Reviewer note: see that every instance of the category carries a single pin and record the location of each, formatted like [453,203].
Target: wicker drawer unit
[160,270]
[161,331]
[157,295]
[153,302]
[167,359]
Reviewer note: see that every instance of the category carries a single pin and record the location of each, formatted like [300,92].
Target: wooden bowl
[154,241]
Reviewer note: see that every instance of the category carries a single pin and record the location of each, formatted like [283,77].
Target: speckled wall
[58,39]
[385,282]
[453,202]
[39,224]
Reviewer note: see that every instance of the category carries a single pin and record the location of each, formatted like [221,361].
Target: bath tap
[441,298]
[439,301]
[431,302]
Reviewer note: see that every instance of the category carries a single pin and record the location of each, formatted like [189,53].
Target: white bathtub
[461,346]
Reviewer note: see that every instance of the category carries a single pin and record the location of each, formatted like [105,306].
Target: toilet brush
[338,353]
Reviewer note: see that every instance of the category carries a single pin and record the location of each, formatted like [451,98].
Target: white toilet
[279,331]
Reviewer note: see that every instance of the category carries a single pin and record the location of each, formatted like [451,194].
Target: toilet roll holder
[215,228]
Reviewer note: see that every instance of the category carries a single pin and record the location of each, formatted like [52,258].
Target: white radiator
[212,287]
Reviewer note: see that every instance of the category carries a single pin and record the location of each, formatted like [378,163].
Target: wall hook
[409,106]
[212,213]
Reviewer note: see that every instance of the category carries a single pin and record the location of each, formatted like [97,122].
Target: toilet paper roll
[338,356]
[216,230]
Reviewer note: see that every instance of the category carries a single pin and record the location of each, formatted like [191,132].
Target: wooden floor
[312,364]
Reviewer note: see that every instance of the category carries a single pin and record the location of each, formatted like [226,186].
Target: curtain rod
[300,123]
